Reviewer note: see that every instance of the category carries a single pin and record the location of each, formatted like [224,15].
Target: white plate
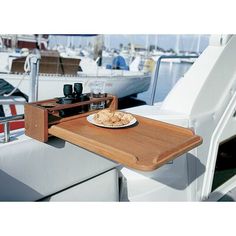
[90,120]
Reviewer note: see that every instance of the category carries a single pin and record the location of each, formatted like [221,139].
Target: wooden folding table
[145,146]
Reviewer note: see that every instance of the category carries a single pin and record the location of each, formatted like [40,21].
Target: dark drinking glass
[68,90]
[78,88]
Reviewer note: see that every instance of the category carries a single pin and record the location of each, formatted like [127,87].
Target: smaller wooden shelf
[39,116]
[145,146]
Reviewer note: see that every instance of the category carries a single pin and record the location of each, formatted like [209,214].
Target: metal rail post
[157,69]
[6,125]
[34,69]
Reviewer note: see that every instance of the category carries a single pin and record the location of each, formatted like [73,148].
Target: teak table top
[145,146]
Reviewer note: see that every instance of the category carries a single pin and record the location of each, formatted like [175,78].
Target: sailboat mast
[155,42]
[198,43]
[109,42]
[177,44]
[147,43]
[68,41]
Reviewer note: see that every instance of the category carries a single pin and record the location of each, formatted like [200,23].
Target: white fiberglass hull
[52,86]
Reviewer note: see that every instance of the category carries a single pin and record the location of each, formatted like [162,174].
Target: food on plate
[112,118]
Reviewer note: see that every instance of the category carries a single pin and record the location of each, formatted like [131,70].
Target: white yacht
[119,82]
[203,100]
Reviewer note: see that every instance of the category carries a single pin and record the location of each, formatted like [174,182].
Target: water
[169,74]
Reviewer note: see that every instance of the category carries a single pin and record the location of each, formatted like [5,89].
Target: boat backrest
[206,86]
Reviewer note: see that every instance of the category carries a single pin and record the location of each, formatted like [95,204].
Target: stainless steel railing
[157,69]
[12,100]
[6,125]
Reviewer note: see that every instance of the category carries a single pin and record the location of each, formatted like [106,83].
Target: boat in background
[19,41]
[67,65]
[55,70]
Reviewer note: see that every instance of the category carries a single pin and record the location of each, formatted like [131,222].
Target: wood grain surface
[145,146]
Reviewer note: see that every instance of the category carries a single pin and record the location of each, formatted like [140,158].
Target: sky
[187,42]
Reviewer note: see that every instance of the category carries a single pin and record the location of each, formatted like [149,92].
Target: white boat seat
[154,112]
[31,170]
